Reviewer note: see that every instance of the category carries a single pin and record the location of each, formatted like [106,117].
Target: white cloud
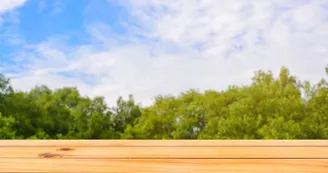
[200,44]
[7,5]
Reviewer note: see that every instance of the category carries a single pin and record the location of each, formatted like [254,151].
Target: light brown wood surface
[167,156]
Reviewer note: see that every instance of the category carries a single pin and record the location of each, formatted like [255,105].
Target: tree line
[271,107]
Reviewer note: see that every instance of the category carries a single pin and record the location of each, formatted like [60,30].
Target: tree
[271,107]
[124,114]
[6,127]
[5,91]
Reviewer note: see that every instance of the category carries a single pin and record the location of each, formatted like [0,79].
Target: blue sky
[40,19]
[146,48]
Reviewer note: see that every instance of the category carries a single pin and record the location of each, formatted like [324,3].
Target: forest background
[271,107]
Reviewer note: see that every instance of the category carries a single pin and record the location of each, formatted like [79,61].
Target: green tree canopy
[270,107]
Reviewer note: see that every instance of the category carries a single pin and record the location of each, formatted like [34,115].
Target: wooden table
[164,156]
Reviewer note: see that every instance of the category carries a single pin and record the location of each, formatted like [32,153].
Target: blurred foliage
[270,107]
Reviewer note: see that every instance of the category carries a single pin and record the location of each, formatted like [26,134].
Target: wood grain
[167,156]
[165,143]
[170,152]
[164,165]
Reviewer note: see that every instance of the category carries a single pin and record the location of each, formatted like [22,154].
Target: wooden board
[167,156]
[168,152]
[164,165]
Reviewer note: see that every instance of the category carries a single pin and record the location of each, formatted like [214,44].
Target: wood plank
[166,156]
[168,152]
[164,166]
[172,143]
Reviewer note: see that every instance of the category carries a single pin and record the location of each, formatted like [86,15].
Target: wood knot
[49,155]
[65,149]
